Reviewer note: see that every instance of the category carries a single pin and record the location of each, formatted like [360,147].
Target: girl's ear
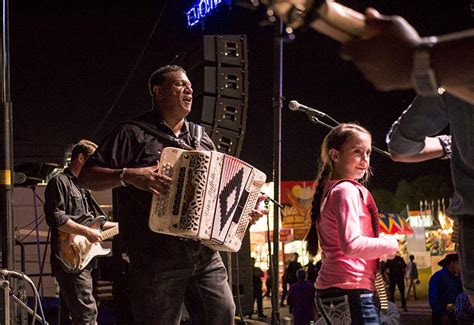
[334,155]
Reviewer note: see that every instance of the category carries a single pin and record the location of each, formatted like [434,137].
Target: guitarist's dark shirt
[129,145]
[64,200]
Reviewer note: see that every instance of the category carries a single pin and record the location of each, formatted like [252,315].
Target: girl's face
[352,161]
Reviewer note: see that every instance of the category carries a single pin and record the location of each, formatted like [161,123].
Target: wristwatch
[423,75]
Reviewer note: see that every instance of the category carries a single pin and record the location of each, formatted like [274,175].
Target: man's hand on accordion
[148,179]
[260,209]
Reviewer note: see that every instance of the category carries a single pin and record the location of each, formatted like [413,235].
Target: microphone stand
[317,121]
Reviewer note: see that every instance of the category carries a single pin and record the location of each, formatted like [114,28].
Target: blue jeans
[341,307]
[158,295]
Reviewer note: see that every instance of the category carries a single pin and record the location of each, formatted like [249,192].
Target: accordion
[210,197]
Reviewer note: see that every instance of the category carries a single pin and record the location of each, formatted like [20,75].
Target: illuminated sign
[200,10]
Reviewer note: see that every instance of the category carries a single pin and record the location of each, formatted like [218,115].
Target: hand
[384,53]
[109,225]
[284,10]
[93,235]
[259,210]
[148,179]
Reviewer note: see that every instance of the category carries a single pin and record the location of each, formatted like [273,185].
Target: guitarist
[68,208]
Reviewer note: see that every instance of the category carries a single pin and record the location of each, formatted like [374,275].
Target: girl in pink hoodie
[345,226]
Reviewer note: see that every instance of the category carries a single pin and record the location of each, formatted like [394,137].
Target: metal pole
[277,111]
[6,155]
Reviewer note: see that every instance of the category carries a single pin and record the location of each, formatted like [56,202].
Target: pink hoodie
[346,236]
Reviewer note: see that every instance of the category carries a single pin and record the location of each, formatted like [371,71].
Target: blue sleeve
[426,116]
[434,292]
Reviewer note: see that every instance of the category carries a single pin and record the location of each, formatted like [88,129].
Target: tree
[426,187]
[384,199]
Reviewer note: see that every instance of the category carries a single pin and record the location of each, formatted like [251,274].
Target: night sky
[70,62]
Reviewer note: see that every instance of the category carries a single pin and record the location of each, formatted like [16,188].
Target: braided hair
[335,139]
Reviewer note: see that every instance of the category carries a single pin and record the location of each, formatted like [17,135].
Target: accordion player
[210,197]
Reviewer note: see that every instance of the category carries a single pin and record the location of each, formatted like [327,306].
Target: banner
[297,198]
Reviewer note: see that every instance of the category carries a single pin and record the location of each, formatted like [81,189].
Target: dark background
[79,68]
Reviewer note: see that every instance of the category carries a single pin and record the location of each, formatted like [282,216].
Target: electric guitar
[75,251]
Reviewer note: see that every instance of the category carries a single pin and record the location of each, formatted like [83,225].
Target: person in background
[257,275]
[69,210]
[396,269]
[412,277]
[463,310]
[284,288]
[291,270]
[301,300]
[345,223]
[268,284]
[290,274]
[444,287]
[311,271]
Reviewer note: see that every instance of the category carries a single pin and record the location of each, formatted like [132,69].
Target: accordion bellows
[210,198]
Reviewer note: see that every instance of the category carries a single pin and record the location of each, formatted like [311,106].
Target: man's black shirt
[131,146]
[65,199]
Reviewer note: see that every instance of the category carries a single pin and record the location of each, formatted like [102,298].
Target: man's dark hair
[412,257]
[85,147]
[158,77]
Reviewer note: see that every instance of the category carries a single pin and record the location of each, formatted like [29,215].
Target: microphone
[295,106]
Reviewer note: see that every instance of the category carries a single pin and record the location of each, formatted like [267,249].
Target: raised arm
[413,136]
[432,150]
[383,47]
[388,48]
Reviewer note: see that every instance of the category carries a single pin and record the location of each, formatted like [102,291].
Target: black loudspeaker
[219,73]
[242,284]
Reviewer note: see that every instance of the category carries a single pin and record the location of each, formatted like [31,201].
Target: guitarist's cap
[86,147]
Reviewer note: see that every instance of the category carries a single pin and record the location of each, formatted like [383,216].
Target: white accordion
[210,198]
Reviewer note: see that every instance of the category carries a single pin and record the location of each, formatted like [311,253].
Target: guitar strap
[196,134]
[96,206]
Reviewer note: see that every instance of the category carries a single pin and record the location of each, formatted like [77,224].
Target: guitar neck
[109,233]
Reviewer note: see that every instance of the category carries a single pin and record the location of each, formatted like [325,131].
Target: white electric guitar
[76,252]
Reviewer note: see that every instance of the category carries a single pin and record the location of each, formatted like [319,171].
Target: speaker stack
[218,70]
[219,73]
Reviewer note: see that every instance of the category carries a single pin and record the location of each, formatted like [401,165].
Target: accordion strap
[196,134]
[175,142]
